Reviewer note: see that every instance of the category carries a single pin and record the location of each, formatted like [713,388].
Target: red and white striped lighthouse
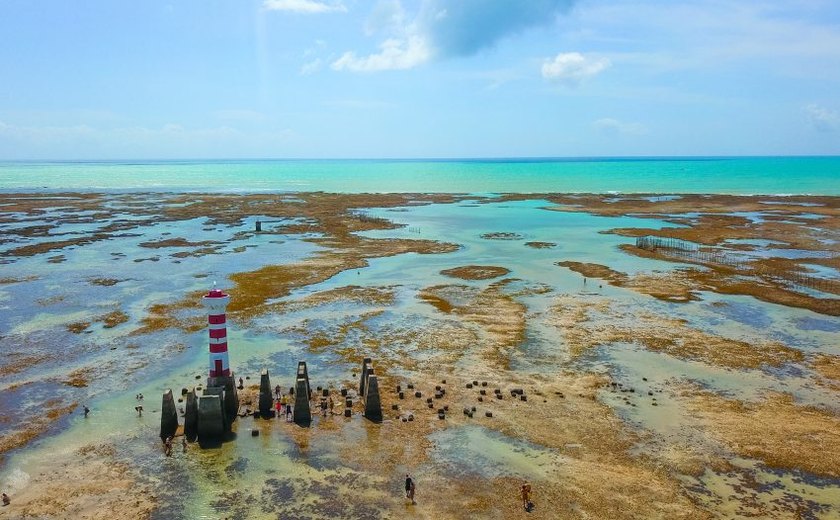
[216,301]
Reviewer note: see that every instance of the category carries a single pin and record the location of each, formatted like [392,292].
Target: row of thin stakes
[692,252]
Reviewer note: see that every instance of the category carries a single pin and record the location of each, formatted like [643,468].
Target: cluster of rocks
[629,391]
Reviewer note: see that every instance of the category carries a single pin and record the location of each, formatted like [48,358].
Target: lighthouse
[216,302]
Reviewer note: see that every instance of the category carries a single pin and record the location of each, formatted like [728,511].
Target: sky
[114,79]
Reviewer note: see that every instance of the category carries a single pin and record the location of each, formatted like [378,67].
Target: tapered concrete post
[303,373]
[302,415]
[168,416]
[230,404]
[211,422]
[363,377]
[265,395]
[373,406]
[191,417]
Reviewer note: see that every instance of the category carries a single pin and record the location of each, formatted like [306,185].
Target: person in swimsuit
[526,497]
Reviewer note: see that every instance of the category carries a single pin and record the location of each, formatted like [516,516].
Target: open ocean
[731,175]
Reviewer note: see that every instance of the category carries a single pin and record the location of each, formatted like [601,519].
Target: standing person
[139,410]
[87,411]
[526,497]
[167,447]
[277,407]
[285,400]
[409,488]
[288,413]
[332,405]
[6,499]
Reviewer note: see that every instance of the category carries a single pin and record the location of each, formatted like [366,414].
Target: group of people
[524,491]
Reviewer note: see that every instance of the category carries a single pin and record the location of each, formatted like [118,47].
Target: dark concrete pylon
[373,405]
[265,395]
[168,416]
[301,413]
[191,417]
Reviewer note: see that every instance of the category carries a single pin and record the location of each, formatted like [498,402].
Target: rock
[418,394]
[484,383]
[431,405]
[644,379]
[488,414]
[482,392]
[466,411]
[348,412]
[399,388]
[395,407]
[499,396]
[472,409]
[410,386]
[255,433]
[411,417]
[480,399]
[428,399]
[318,388]
[348,403]
[475,383]
[443,381]
[650,393]
[198,377]
[523,397]
[325,392]
[446,408]
[402,395]
[654,403]
[469,385]
[343,392]
[437,388]
[441,416]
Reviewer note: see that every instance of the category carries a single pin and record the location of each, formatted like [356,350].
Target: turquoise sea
[732,175]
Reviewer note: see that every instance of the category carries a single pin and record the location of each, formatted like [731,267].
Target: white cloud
[395,54]
[311,67]
[572,68]
[821,118]
[304,6]
[612,126]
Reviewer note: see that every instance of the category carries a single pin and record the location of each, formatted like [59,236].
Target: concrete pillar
[363,377]
[191,417]
[303,373]
[168,416]
[373,406]
[211,422]
[302,415]
[259,226]
[265,395]
[231,398]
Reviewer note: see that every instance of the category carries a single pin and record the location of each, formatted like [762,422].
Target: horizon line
[523,158]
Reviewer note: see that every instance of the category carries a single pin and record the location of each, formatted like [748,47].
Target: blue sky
[109,79]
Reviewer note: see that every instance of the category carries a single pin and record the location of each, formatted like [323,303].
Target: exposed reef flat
[661,386]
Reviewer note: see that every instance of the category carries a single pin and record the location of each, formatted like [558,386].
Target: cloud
[610,126]
[445,29]
[464,27]
[821,118]
[304,6]
[311,67]
[572,68]
[395,54]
